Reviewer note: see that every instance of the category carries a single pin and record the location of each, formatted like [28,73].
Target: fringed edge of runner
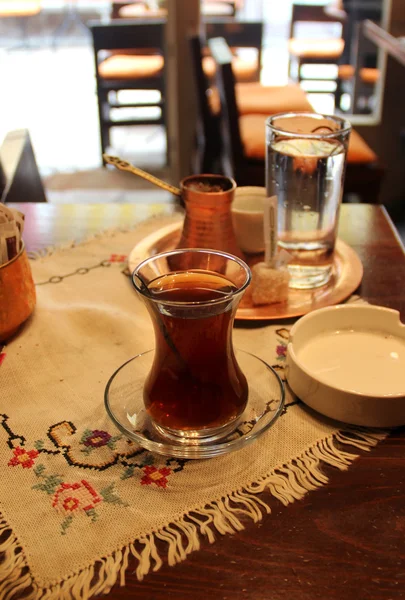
[286,483]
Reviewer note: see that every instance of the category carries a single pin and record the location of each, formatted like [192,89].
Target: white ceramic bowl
[348,363]
[247,217]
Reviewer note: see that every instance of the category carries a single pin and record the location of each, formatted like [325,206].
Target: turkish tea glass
[195,389]
[305,167]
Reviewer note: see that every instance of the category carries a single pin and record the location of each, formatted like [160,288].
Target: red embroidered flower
[281,351]
[74,497]
[23,458]
[97,438]
[2,357]
[156,476]
[118,258]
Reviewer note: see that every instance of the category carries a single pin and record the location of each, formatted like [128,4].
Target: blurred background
[51,88]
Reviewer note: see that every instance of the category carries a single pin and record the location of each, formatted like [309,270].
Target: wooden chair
[239,35]
[128,56]
[304,51]
[244,146]
[367,78]
[20,180]
[252,98]
[359,78]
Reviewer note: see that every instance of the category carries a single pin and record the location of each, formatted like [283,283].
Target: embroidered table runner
[77,498]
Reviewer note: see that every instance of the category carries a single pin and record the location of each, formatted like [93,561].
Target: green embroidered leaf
[86,434]
[92,514]
[66,524]
[148,460]
[110,496]
[39,444]
[87,450]
[50,484]
[129,471]
[38,470]
[112,441]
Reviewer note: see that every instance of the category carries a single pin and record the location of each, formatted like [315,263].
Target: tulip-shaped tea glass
[195,388]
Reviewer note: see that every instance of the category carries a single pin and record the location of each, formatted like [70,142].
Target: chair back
[201,82]
[128,35]
[208,131]
[231,138]
[311,13]
[113,41]
[238,34]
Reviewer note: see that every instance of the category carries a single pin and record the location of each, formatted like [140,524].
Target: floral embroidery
[88,449]
[147,459]
[97,438]
[2,357]
[79,498]
[73,499]
[70,497]
[156,476]
[118,258]
[281,351]
[23,458]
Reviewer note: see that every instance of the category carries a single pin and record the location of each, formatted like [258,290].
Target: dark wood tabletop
[343,541]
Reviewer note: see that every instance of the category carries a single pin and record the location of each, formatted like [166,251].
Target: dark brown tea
[195,382]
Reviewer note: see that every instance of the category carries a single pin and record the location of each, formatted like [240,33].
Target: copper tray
[346,277]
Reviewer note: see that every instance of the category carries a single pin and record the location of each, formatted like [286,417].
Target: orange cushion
[122,66]
[359,151]
[133,11]
[366,75]
[19,8]
[369,75]
[255,98]
[345,72]
[316,48]
[252,130]
[244,70]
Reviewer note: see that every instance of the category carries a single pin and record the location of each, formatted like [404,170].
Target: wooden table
[345,540]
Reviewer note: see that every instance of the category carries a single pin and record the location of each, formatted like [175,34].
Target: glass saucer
[123,399]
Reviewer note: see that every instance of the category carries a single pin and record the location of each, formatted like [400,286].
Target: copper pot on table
[17,294]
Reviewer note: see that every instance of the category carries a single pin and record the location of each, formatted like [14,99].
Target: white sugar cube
[269,285]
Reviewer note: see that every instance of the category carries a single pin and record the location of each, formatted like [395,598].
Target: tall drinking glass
[305,167]
[195,389]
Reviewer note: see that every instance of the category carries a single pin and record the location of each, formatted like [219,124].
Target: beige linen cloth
[76,497]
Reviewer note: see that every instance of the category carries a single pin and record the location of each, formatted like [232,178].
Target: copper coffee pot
[208,219]
[207,200]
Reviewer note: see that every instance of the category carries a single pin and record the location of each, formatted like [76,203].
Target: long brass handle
[124,165]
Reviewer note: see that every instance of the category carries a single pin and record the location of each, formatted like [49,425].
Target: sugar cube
[269,285]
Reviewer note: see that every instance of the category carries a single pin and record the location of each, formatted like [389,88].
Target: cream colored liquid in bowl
[366,362]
